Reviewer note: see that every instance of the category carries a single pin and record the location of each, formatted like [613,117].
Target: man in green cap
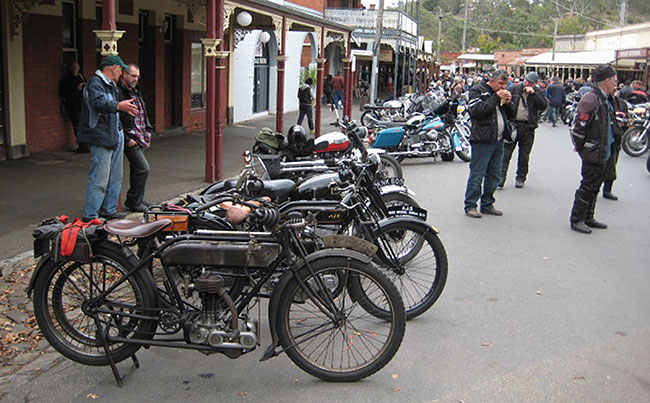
[100,128]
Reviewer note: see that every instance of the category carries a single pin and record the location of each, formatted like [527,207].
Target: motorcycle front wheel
[414,258]
[63,290]
[635,141]
[389,167]
[354,343]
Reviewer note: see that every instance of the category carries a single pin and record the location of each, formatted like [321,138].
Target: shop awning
[476,56]
[585,58]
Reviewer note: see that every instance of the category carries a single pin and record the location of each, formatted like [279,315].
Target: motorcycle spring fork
[103,339]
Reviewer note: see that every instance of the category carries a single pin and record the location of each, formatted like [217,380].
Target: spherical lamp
[244,18]
[265,37]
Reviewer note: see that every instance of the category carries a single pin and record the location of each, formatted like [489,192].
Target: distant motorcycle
[421,136]
[635,139]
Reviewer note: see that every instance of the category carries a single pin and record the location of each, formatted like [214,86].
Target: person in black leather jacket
[528,101]
[595,134]
[490,108]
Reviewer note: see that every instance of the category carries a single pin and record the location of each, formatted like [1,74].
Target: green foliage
[516,24]
[307,72]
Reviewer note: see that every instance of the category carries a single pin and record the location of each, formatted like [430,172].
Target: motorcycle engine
[213,326]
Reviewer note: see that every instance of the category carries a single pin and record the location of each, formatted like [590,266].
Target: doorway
[261,78]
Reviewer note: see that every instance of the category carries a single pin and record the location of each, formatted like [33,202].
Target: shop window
[69,32]
[198,76]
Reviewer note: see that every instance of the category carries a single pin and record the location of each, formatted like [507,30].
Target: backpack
[266,142]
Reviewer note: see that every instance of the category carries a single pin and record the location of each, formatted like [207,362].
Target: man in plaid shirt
[137,131]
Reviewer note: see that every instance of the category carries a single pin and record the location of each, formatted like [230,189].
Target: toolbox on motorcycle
[180,219]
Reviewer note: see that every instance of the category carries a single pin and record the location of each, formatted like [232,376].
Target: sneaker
[136,208]
[113,216]
[491,211]
[519,184]
[472,212]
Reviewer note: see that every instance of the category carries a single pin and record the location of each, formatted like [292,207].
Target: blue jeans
[104,179]
[484,174]
[338,96]
[554,113]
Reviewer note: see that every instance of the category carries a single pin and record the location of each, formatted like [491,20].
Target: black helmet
[297,135]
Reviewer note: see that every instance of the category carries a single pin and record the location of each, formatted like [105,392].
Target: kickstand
[103,337]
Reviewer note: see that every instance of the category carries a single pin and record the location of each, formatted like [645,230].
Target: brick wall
[47,129]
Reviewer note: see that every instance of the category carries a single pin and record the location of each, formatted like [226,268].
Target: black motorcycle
[332,311]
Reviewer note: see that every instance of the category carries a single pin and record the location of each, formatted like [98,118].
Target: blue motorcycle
[438,135]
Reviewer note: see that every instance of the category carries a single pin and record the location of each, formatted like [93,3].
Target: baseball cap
[113,60]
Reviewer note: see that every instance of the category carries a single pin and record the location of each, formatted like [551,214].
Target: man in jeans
[137,130]
[100,128]
[490,108]
[556,98]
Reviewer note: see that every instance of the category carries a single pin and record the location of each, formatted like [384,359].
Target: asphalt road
[532,311]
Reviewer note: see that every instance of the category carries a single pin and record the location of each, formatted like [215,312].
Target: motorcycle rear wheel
[358,343]
[634,142]
[63,287]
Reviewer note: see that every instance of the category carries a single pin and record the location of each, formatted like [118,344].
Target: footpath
[48,185]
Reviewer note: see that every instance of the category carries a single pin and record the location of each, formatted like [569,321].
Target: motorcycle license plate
[391,181]
[411,211]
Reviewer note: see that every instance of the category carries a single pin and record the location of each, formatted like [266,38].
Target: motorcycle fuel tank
[390,137]
[328,142]
[435,124]
[316,187]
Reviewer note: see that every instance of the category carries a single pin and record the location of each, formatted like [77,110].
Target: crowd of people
[505,111]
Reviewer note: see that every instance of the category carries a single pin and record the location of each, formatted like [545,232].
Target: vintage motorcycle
[330,309]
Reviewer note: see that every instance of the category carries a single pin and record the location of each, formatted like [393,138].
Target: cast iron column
[347,93]
[211,98]
[220,84]
[108,15]
[281,58]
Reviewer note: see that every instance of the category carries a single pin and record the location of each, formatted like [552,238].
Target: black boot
[607,191]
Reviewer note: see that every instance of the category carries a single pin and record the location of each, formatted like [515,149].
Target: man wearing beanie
[595,133]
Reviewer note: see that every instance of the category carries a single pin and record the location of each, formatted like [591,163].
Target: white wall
[243,74]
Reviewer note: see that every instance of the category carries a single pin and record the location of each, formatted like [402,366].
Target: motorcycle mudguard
[455,141]
[390,137]
[36,272]
[287,276]
[396,189]
[411,220]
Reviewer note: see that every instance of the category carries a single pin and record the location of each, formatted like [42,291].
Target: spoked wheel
[389,167]
[635,141]
[414,258]
[61,305]
[354,343]
[465,153]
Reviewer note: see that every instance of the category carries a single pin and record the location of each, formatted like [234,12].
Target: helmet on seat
[297,135]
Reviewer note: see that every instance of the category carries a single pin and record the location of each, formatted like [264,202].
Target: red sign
[633,53]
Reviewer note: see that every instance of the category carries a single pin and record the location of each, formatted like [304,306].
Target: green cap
[113,60]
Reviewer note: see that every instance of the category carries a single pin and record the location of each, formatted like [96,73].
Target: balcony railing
[360,18]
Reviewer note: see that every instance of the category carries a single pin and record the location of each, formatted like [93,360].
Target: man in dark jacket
[490,108]
[305,98]
[100,128]
[137,132]
[70,91]
[594,134]
[556,98]
[528,100]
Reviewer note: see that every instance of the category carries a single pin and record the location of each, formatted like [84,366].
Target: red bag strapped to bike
[70,240]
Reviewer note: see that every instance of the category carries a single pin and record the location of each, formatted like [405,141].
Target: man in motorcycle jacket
[595,133]
[490,108]
[529,100]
